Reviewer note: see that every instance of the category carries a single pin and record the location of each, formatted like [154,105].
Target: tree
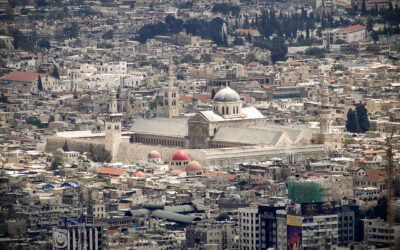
[370,25]
[20,40]
[108,34]
[58,160]
[277,47]
[43,43]
[222,217]
[317,52]
[380,208]
[338,67]
[375,36]
[238,41]
[352,122]
[362,117]
[212,93]
[65,147]
[72,31]
[40,84]
[99,154]
[55,72]
[206,58]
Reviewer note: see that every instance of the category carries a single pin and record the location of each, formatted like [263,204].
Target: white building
[349,34]
[249,229]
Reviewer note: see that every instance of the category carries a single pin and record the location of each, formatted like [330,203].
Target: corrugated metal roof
[179,209]
[163,214]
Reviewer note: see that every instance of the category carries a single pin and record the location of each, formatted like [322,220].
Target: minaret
[324,112]
[169,104]
[113,128]
[331,140]
[113,105]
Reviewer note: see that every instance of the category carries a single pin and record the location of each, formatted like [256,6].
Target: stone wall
[130,153]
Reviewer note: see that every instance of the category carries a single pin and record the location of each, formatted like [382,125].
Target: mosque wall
[130,153]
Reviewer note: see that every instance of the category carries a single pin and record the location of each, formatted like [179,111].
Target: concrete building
[211,235]
[78,233]
[349,34]
[249,231]
[376,233]
[269,229]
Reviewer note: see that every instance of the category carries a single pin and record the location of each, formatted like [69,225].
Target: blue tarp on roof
[69,184]
[48,186]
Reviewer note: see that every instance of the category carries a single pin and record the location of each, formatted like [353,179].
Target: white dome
[226,95]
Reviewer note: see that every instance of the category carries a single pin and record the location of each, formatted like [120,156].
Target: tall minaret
[324,112]
[169,104]
[113,105]
[113,128]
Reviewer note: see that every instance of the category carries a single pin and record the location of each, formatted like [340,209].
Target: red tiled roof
[110,171]
[21,76]
[253,64]
[372,152]
[204,97]
[353,28]
[294,63]
[247,97]
[186,99]
[176,171]
[375,175]
[221,175]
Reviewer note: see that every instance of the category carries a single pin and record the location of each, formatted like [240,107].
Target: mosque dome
[180,155]
[226,95]
[154,155]
[139,174]
[193,166]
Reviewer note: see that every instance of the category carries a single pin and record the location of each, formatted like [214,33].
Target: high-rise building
[249,231]
[268,213]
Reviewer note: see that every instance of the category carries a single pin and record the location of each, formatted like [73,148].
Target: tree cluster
[226,9]
[171,25]
[98,153]
[357,120]
[277,47]
[316,52]
[57,161]
[72,31]
[378,211]
[20,40]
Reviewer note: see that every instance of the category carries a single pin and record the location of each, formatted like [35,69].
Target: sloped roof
[251,136]
[375,175]
[173,216]
[161,126]
[21,76]
[221,175]
[180,209]
[211,116]
[353,28]
[110,171]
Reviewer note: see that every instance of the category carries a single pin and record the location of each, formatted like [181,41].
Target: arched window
[223,110]
[227,110]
